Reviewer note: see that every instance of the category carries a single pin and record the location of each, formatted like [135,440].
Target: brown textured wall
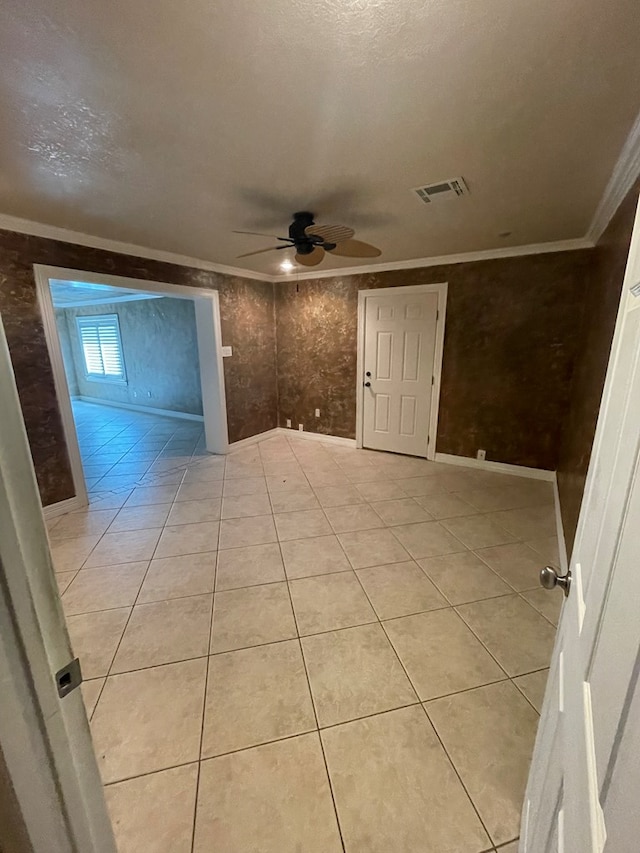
[513,334]
[609,259]
[246,309]
[510,341]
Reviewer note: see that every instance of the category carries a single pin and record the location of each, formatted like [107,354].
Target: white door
[44,738]
[398,368]
[584,784]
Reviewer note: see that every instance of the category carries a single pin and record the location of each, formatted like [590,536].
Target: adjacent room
[319,421]
[132,372]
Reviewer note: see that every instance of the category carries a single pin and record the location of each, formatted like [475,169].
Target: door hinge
[433,379]
[68,678]
[437,316]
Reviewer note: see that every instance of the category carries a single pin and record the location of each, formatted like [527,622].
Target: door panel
[399,350]
[382,407]
[543,813]
[619,796]
[614,641]
[413,311]
[385,355]
[408,411]
[411,361]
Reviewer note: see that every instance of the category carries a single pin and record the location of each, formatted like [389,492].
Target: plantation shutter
[102,346]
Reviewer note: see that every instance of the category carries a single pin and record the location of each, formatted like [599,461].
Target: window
[102,347]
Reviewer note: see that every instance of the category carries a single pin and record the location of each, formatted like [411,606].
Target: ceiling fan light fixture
[312,241]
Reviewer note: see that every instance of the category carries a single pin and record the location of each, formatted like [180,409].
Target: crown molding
[444,260]
[65,235]
[52,232]
[624,174]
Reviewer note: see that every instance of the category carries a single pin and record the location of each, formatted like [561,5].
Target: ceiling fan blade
[259,234]
[330,233]
[355,249]
[260,251]
[312,259]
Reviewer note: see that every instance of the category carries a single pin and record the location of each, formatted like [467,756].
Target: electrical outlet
[288,423]
[301,427]
[317,413]
[481,454]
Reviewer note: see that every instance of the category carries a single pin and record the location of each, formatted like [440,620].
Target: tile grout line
[269,494]
[144,436]
[380,623]
[517,686]
[544,616]
[491,569]
[419,702]
[303,636]
[206,674]
[455,769]
[144,577]
[95,706]
[288,580]
[313,701]
[482,643]
[267,583]
[424,709]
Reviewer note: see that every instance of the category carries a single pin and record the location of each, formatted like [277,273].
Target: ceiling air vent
[443,189]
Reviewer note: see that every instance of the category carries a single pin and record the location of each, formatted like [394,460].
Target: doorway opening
[138,373]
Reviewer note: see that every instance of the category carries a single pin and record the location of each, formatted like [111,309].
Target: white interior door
[585,777]
[398,367]
[44,738]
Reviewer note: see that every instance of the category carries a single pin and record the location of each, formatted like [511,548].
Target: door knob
[367,385]
[549,579]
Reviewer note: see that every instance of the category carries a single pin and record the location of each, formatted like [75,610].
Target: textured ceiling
[168,125]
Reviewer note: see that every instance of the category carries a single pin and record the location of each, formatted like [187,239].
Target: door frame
[441,289]
[209,334]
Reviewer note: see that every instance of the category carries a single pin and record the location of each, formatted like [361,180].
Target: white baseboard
[166,413]
[253,439]
[562,543]
[62,507]
[500,467]
[317,436]
[292,433]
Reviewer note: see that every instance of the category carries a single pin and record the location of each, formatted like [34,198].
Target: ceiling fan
[311,241]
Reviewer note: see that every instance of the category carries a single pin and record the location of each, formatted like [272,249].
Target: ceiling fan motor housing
[301,220]
[305,243]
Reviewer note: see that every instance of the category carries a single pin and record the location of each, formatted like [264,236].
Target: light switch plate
[227,351]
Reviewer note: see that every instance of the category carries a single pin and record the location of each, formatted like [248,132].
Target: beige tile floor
[305,647]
